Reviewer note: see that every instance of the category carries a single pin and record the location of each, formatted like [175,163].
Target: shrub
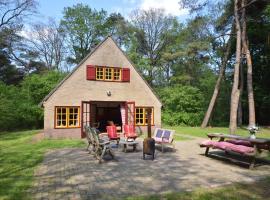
[183,105]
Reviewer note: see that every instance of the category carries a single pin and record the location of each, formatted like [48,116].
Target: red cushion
[112,133]
[241,149]
[207,143]
[223,145]
[129,128]
[129,131]
[240,142]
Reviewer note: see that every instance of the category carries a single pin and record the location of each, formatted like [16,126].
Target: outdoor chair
[164,137]
[89,138]
[102,147]
[112,133]
[129,132]
[158,134]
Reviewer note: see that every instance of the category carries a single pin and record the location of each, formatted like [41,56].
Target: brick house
[105,86]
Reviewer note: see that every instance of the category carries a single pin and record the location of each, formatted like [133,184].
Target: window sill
[67,127]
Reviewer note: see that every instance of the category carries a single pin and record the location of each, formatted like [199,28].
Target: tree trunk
[240,109]
[235,88]
[251,102]
[213,100]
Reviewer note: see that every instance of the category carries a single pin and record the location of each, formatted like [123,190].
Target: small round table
[126,143]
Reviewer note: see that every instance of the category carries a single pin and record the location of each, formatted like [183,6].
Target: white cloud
[170,6]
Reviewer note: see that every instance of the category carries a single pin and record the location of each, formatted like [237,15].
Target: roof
[83,60]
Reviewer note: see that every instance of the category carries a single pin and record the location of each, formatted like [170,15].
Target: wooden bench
[237,144]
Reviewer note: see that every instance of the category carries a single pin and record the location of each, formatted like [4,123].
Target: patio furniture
[102,147]
[89,138]
[242,145]
[129,132]
[118,129]
[112,133]
[126,143]
[164,137]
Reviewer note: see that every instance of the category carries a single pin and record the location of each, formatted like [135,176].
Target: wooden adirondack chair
[112,133]
[129,132]
[89,138]
[102,147]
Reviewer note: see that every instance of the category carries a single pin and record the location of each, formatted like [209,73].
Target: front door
[85,117]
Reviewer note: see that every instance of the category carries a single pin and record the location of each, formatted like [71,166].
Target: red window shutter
[126,75]
[90,72]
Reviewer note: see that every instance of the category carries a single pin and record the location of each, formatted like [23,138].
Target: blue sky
[54,8]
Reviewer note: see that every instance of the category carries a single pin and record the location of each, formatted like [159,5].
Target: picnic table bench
[237,144]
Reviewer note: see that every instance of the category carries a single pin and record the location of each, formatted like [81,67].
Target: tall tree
[13,12]
[9,74]
[246,51]
[12,17]
[119,28]
[151,31]
[84,28]
[47,40]
[235,94]
[218,82]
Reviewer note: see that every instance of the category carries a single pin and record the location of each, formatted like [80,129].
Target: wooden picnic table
[257,143]
[223,136]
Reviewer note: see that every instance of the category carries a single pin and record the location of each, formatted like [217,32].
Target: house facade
[104,88]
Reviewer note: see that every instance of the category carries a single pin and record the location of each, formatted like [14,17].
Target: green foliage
[85,29]
[19,104]
[19,157]
[35,87]
[182,105]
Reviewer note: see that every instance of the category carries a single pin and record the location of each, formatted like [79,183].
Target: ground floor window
[141,116]
[67,117]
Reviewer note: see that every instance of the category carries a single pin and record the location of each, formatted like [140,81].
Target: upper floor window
[99,73]
[107,73]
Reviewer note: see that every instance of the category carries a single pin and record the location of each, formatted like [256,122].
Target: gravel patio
[75,174]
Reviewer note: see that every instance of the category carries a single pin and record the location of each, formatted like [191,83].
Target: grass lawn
[19,156]
[200,132]
[256,190]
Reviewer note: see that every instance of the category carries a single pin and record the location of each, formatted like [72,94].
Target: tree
[119,28]
[246,52]
[84,28]
[182,105]
[235,88]
[218,83]
[12,12]
[47,40]
[9,74]
[12,16]
[151,37]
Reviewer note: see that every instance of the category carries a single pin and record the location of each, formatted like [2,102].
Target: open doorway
[100,114]
[106,113]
